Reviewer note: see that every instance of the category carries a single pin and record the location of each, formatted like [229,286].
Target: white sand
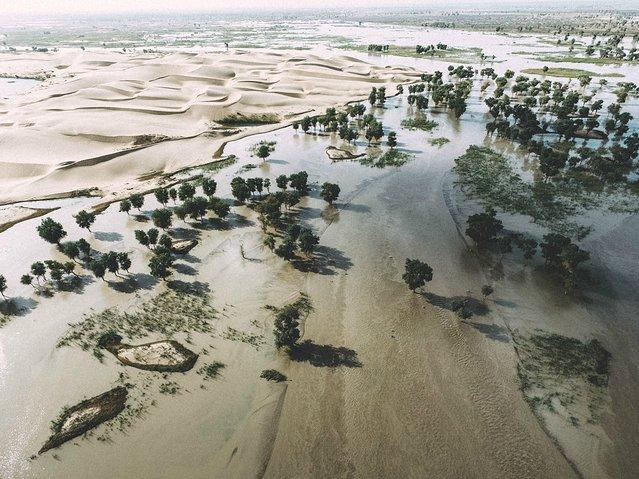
[162,353]
[62,136]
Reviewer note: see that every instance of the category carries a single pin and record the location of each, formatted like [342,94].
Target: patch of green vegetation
[170,388]
[273,375]
[232,334]
[419,123]
[563,375]
[488,176]
[567,72]
[211,370]
[451,54]
[390,157]
[438,141]
[578,59]
[239,119]
[167,314]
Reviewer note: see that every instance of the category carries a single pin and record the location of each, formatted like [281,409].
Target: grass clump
[273,375]
[419,123]
[211,370]
[167,314]
[388,158]
[439,141]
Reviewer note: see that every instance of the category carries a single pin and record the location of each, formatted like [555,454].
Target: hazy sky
[169,6]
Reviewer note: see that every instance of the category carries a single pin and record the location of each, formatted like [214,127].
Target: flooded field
[391,383]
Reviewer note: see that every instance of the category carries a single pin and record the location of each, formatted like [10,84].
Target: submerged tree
[483,228]
[330,192]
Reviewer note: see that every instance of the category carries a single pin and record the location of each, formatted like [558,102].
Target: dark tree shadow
[185,269]
[324,355]
[454,303]
[17,306]
[141,217]
[189,258]
[357,208]
[277,162]
[195,287]
[326,260]
[492,331]
[181,233]
[109,237]
[239,221]
[76,284]
[133,282]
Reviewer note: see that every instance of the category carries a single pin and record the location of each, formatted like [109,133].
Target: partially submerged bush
[273,375]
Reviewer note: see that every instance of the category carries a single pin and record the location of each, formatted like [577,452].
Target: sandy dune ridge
[87,125]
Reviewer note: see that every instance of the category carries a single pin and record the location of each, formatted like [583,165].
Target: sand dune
[98,103]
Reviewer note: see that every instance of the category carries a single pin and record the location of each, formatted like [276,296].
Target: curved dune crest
[97,103]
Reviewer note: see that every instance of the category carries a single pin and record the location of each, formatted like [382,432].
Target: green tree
[281,181]
[98,268]
[173,194]
[124,261]
[84,247]
[39,270]
[85,219]
[330,192]
[110,261]
[209,186]
[27,280]
[162,218]
[263,151]
[186,191]
[160,264]
[299,181]
[240,189]
[153,234]
[137,200]
[486,290]
[70,249]
[483,228]
[417,273]
[307,241]
[391,141]
[162,195]
[3,286]
[142,237]
[125,206]
[51,231]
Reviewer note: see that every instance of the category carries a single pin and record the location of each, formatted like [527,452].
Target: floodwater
[10,87]
[433,397]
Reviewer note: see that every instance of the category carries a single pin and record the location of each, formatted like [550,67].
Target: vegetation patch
[167,314]
[488,176]
[564,375]
[239,119]
[439,142]
[567,72]
[273,375]
[390,157]
[211,370]
[419,123]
